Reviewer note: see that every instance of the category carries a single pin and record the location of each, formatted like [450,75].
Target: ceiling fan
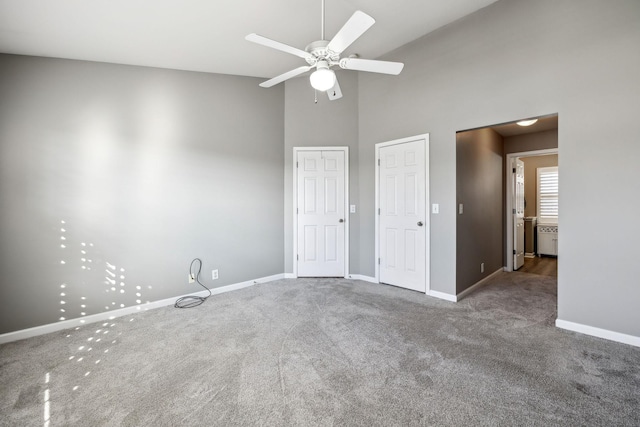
[323,55]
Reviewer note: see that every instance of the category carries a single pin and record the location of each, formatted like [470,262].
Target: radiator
[547,240]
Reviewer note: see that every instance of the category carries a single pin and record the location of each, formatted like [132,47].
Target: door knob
[420,224]
[341,220]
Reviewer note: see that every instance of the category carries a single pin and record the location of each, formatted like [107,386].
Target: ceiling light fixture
[323,78]
[526,122]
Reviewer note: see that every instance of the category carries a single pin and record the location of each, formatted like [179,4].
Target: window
[547,195]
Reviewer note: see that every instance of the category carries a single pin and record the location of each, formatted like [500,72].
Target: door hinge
[378,211]
[378,162]
[514,251]
[297,257]
[297,166]
[378,261]
[514,170]
[514,211]
[299,212]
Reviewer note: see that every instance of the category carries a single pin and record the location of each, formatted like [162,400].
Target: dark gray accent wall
[479,188]
[515,59]
[136,171]
[531,142]
[327,123]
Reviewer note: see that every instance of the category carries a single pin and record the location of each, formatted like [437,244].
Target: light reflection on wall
[75,286]
[63,294]
[117,284]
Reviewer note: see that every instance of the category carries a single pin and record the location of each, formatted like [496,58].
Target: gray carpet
[327,352]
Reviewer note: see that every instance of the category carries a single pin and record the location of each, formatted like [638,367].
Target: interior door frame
[347,219]
[427,214]
[509,197]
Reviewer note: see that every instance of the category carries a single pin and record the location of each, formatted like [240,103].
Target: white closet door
[402,199]
[321,213]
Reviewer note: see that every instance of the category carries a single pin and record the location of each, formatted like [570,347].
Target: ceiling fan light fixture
[323,78]
[526,122]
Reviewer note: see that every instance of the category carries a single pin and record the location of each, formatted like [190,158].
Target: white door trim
[509,197]
[347,219]
[427,218]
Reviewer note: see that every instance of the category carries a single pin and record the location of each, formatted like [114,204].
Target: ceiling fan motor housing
[320,52]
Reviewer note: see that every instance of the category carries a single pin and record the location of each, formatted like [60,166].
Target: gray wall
[517,59]
[147,168]
[479,188]
[327,123]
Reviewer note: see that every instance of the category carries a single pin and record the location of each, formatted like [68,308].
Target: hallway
[544,266]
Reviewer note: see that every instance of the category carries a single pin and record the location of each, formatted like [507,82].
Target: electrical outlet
[191,278]
[482,267]
[214,274]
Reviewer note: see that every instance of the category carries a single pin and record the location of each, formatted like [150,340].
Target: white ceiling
[208,35]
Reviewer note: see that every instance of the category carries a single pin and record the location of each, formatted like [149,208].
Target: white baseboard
[350,276]
[109,315]
[597,332]
[435,294]
[476,285]
[442,295]
[458,297]
[363,278]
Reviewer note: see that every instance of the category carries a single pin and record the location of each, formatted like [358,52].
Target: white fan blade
[282,77]
[373,66]
[277,45]
[335,92]
[352,29]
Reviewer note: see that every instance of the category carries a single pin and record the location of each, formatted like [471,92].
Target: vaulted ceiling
[208,35]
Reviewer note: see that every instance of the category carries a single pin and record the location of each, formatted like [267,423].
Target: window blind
[548,195]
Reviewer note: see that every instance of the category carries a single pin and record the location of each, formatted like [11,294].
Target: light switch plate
[435,208]
[460,209]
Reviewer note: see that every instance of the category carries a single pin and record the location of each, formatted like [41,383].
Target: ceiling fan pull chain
[315,94]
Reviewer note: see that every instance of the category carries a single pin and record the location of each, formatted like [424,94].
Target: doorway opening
[532,217]
[531,213]
[494,203]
